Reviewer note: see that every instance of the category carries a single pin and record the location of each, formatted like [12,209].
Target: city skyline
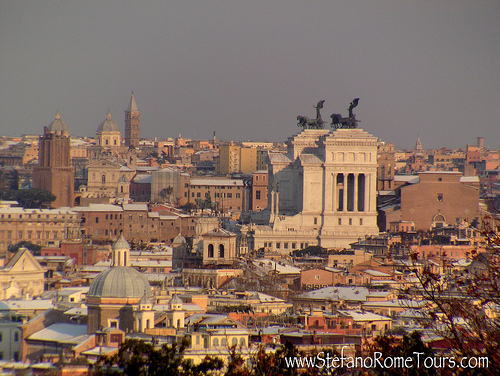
[246,70]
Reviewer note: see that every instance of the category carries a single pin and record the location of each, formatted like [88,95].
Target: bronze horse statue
[339,122]
[307,123]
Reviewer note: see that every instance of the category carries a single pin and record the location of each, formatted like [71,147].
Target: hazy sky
[246,69]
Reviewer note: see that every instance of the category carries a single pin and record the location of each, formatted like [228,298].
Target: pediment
[24,262]
[104,164]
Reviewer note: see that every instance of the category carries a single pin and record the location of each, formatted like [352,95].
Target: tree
[34,197]
[13,178]
[463,307]
[138,358]
[407,346]
[189,207]
[28,198]
[34,248]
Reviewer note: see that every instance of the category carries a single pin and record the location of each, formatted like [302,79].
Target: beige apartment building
[227,193]
[235,159]
[38,226]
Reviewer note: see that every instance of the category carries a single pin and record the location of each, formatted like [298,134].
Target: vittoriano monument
[338,122]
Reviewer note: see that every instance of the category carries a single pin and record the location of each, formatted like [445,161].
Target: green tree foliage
[405,347]
[34,248]
[13,178]
[312,250]
[138,358]
[189,207]
[28,198]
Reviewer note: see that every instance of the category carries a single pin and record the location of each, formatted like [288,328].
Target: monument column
[355,192]
[334,192]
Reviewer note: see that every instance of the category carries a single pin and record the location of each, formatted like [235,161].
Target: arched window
[234,342]
[242,342]
[223,342]
[216,342]
[221,250]
[210,250]
[103,179]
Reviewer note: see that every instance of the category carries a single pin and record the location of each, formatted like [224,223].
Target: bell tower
[132,124]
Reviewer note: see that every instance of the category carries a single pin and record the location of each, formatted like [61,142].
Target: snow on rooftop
[364,315]
[59,332]
[337,293]
[282,269]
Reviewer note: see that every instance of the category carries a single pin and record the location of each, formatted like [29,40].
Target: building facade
[321,192]
[38,226]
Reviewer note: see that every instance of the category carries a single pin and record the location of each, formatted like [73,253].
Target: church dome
[108,125]
[57,125]
[120,282]
[179,239]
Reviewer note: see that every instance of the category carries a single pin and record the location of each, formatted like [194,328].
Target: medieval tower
[132,124]
[55,172]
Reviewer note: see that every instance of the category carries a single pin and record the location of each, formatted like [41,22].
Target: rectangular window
[96,219]
[198,194]
[340,221]
[16,336]
[361,221]
[257,195]
[229,195]
[278,245]
[20,234]
[238,195]
[350,221]
[286,245]
[107,217]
